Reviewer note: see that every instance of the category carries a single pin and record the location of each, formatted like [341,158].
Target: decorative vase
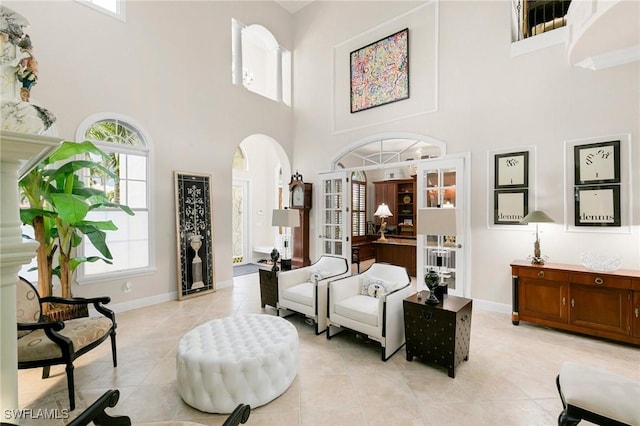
[432,281]
[275,255]
[18,74]
[196,263]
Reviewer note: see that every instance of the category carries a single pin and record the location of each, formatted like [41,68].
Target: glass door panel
[441,186]
[334,215]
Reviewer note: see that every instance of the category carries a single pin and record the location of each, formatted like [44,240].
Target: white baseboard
[486,305]
[153,300]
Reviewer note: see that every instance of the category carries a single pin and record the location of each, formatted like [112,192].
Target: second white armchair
[304,290]
[370,303]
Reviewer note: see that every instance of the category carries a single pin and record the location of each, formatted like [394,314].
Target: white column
[278,74]
[236,52]
[16,150]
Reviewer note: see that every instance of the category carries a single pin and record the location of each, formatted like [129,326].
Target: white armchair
[304,290]
[371,303]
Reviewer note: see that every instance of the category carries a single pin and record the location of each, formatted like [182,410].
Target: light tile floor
[508,380]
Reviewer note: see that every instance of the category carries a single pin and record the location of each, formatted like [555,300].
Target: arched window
[259,63]
[128,151]
[358,204]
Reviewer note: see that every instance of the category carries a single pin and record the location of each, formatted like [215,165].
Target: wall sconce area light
[286,218]
[383,213]
[537,216]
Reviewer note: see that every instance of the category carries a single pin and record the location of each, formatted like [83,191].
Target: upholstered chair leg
[113,348]
[45,372]
[72,395]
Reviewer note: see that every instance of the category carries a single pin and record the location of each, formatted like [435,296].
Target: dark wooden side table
[268,287]
[438,334]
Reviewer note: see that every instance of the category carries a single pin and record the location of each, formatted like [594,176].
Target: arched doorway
[260,172]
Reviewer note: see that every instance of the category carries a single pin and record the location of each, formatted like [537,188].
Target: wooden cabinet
[635,309]
[401,252]
[399,195]
[438,334]
[268,287]
[571,297]
[543,295]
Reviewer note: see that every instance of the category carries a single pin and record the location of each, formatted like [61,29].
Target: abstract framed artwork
[380,72]
[510,206]
[512,170]
[194,234]
[597,163]
[597,205]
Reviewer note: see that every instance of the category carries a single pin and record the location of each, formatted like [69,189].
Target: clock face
[298,197]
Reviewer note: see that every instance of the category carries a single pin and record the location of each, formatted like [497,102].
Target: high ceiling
[293,5]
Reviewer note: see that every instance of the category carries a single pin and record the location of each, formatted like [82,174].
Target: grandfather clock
[300,196]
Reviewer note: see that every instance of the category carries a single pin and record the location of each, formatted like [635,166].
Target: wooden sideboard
[396,251]
[574,298]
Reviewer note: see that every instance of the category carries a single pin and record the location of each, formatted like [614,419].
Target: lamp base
[285,264]
[537,261]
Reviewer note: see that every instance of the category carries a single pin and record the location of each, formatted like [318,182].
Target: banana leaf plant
[59,202]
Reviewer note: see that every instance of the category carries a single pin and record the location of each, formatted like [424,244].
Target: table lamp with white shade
[286,218]
[383,213]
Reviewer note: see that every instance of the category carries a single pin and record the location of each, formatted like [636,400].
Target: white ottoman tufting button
[246,359]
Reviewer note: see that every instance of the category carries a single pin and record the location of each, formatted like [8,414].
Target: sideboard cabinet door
[543,295]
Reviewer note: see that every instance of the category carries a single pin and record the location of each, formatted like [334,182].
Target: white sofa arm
[293,277]
[343,288]
[394,326]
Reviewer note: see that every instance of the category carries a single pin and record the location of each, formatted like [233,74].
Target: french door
[239,221]
[334,222]
[442,183]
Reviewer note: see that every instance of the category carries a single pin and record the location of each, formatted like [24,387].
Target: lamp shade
[437,221]
[288,218]
[536,216]
[383,211]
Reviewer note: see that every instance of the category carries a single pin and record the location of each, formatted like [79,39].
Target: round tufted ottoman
[249,359]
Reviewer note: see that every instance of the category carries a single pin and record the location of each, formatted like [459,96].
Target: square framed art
[380,72]
[597,205]
[597,163]
[511,205]
[512,170]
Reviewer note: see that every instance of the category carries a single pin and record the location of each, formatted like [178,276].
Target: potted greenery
[58,203]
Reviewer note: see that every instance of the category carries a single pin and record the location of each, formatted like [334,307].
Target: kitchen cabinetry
[574,298]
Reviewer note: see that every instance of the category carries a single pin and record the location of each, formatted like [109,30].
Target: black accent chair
[43,343]
[96,414]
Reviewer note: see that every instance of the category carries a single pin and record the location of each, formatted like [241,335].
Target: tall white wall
[169,68]
[487,100]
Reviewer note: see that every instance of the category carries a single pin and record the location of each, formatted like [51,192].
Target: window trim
[120,14]
[81,278]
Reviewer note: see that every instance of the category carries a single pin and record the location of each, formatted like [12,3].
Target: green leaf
[27,215]
[99,240]
[69,149]
[122,207]
[71,167]
[77,261]
[87,227]
[71,208]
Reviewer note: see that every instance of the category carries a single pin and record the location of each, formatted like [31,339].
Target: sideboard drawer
[542,274]
[600,280]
